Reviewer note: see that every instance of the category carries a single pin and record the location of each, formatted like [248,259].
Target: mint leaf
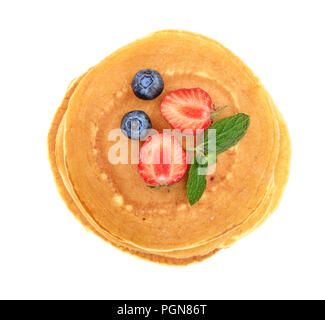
[196,183]
[228,133]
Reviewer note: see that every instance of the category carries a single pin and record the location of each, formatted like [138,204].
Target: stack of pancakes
[114,202]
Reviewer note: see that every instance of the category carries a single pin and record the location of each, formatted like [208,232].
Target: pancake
[115,203]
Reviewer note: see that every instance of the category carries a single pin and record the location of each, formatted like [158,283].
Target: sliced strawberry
[188,110]
[162,160]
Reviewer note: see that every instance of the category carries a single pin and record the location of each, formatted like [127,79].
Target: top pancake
[114,198]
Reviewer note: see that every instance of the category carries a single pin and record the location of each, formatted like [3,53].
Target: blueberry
[136,124]
[147,84]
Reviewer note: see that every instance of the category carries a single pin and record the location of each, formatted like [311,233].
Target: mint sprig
[228,132]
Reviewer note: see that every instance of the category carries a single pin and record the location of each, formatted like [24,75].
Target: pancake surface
[115,203]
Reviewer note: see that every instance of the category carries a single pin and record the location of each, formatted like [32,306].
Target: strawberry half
[162,160]
[187,110]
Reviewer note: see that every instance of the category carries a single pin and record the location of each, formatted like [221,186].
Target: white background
[45,253]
